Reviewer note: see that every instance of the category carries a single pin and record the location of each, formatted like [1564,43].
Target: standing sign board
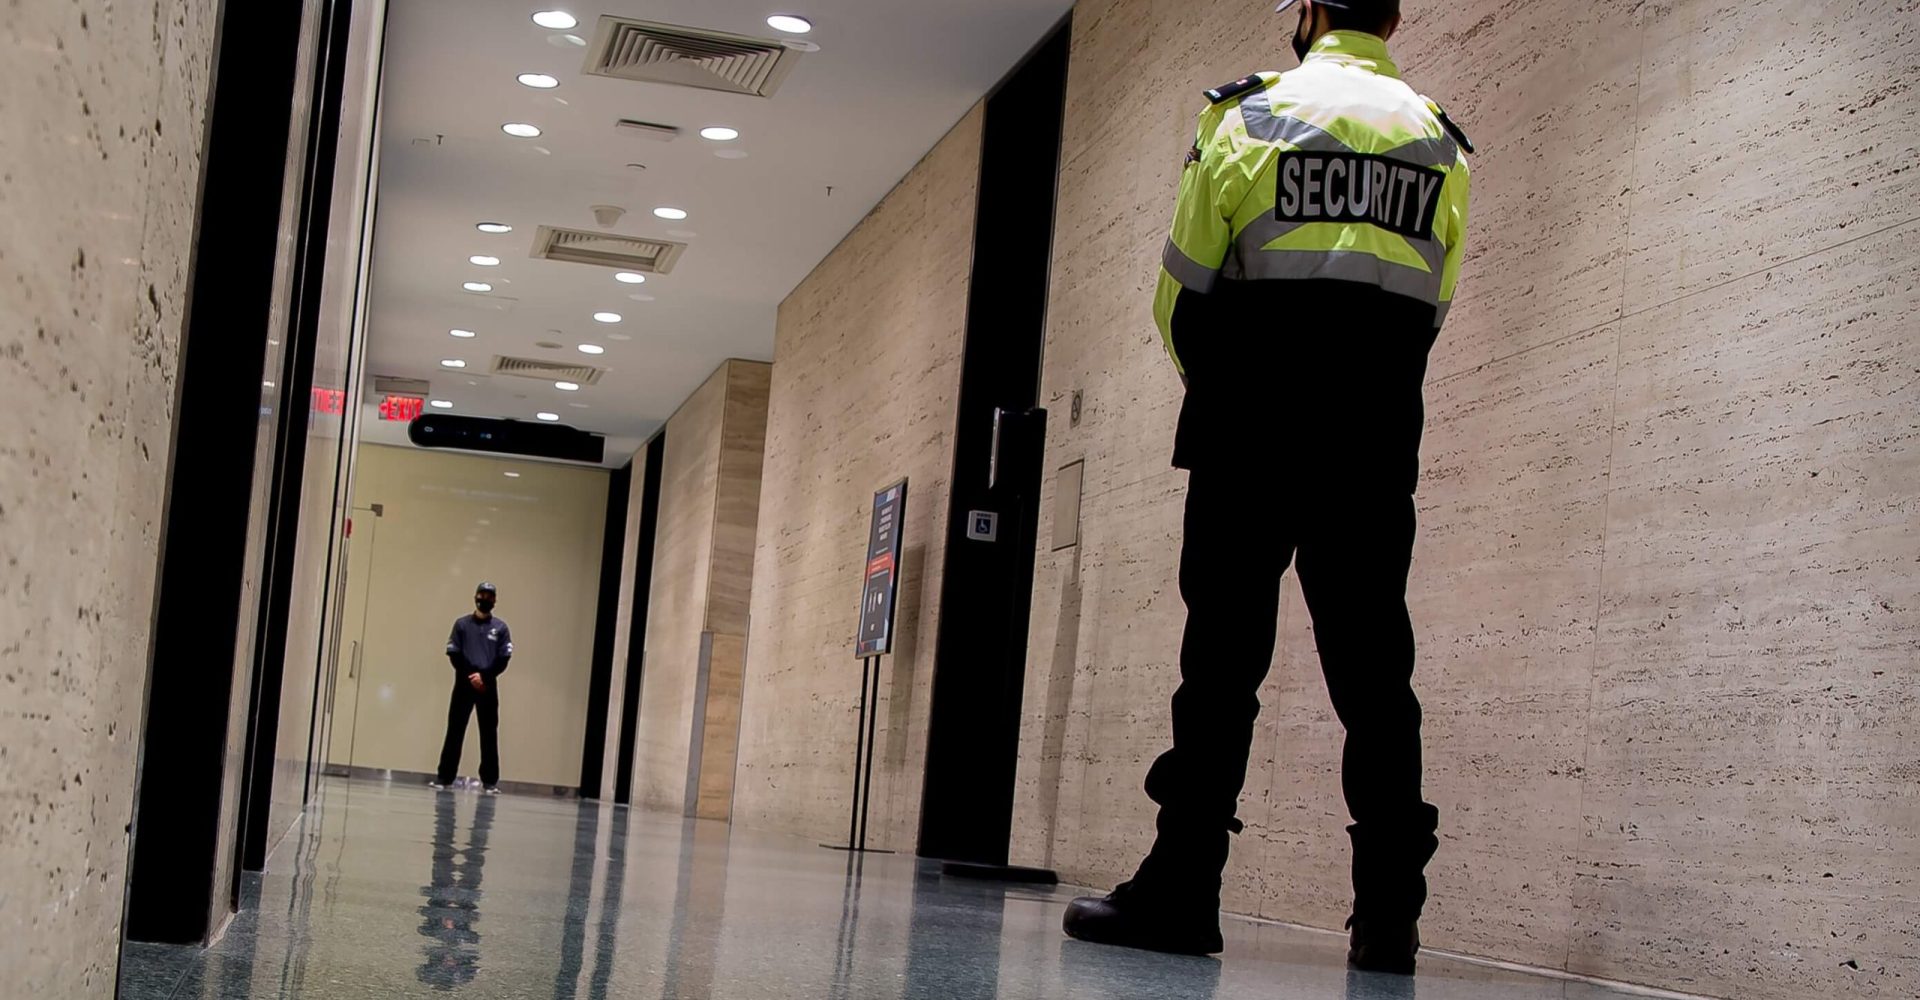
[883,572]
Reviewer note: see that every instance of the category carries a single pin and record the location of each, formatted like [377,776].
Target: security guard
[1313,255]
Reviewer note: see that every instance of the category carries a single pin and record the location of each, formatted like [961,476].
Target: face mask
[1302,37]
[483,603]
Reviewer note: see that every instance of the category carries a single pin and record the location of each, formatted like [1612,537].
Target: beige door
[351,671]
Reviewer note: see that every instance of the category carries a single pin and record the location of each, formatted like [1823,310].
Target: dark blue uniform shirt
[480,645]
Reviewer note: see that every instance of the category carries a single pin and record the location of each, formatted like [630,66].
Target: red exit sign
[331,401]
[401,407]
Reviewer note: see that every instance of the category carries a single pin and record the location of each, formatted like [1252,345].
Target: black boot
[1383,945]
[1131,918]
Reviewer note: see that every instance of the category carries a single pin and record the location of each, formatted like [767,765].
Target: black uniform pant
[1352,547]
[462,704]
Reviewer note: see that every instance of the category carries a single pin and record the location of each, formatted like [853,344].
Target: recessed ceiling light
[548,416]
[630,278]
[453,363]
[592,349]
[720,133]
[606,317]
[441,404]
[558,20]
[790,23]
[520,130]
[538,81]
[477,286]
[511,475]
[731,154]
[463,334]
[567,386]
[494,228]
[672,214]
[483,260]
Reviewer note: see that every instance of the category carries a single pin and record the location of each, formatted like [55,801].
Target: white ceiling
[891,77]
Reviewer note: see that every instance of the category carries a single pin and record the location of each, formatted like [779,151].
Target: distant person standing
[479,648]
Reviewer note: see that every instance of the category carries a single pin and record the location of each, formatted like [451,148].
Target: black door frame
[289,472]
[613,548]
[986,594]
[252,139]
[656,451]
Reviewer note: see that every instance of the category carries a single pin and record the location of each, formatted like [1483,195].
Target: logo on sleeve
[1354,188]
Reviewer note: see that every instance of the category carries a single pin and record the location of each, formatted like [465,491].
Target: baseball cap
[485,588]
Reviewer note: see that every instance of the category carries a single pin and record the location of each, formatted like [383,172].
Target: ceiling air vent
[394,385]
[688,57]
[628,253]
[646,130]
[546,371]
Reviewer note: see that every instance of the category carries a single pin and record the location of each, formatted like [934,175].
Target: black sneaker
[1125,917]
[1383,945]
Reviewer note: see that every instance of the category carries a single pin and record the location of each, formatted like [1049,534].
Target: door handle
[353,661]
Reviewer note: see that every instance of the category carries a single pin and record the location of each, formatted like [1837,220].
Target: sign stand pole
[873,717]
[879,590]
[863,754]
[859,757]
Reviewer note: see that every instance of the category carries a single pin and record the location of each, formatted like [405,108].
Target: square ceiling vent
[628,253]
[627,49]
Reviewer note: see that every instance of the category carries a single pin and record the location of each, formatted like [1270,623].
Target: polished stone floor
[400,892]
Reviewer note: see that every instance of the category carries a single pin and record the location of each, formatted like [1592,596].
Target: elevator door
[350,672]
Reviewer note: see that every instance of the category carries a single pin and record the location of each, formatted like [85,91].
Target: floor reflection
[1379,986]
[452,906]
[529,898]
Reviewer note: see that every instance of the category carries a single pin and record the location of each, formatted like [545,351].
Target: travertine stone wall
[865,380]
[702,572]
[1667,586]
[103,106]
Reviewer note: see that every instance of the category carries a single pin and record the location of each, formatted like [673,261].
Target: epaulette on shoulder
[1227,92]
[1447,123]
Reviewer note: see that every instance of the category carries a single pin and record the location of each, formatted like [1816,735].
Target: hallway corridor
[399,892]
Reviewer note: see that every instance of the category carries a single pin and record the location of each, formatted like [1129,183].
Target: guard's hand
[479,683]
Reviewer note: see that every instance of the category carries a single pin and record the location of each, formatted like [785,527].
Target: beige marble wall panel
[743,443]
[1546,91]
[720,737]
[104,109]
[1767,131]
[1503,593]
[703,572]
[865,375]
[1634,161]
[677,606]
[1113,722]
[1752,765]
